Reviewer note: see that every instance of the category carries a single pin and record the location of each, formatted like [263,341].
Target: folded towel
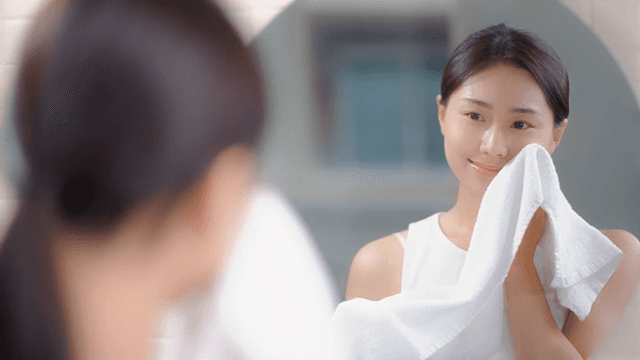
[415,324]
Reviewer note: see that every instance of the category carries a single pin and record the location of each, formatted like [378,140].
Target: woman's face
[489,119]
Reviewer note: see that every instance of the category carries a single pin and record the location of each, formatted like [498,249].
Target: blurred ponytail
[31,320]
[30,317]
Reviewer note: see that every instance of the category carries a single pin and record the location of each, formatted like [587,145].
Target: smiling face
[489,119]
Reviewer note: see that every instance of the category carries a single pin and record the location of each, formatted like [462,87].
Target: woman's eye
[520,125]
[474,116]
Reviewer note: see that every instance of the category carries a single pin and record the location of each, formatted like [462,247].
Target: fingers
[533,234]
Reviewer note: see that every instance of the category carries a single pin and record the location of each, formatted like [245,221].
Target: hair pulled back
[500,44]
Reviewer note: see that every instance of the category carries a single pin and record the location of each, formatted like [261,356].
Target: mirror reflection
[331,67]
[356,143]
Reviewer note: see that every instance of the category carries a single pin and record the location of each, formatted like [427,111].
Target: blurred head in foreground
[137,121]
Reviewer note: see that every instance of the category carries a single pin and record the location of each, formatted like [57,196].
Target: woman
[501,90]
[137,121]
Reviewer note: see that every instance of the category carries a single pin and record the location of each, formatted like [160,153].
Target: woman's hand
[534,331]
[531,237]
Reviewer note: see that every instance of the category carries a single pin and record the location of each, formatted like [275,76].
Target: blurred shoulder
[376,269]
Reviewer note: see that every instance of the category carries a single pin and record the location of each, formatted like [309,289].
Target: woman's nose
[494,143]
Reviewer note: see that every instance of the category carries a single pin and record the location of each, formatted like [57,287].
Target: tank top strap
[401,238]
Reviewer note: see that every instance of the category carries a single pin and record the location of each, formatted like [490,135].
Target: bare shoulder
[624,240]
[609,306]
[630,247]
[376,270]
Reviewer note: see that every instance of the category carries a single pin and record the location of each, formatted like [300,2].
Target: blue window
[382,84]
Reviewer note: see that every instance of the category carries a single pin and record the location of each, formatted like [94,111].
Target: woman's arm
[535,333]
[607,310]
[376,270]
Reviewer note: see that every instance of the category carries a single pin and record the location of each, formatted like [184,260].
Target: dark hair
[518,48]
[123,102]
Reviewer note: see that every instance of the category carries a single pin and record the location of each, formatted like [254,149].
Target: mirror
[331,65]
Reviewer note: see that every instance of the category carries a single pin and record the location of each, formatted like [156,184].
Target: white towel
[414,325]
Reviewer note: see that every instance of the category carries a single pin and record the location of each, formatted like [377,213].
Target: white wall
[618,23]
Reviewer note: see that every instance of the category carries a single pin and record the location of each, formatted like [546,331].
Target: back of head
[126,101]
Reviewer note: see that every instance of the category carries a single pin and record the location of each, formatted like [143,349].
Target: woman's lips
[485,169]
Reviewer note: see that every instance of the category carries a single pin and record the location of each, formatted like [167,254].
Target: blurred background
[352,136]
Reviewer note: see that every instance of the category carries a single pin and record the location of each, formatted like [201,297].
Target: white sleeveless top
[431,258]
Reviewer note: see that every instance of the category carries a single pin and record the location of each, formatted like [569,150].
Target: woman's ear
[228,181]
[558,132]
[441,111]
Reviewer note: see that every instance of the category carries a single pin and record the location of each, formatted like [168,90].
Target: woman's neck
[110,310]
[458,223]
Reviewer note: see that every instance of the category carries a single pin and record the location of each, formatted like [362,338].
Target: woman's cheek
[453,134]
[465,136]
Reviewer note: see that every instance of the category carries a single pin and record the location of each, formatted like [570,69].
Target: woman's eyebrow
[478,102]
[520,110]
